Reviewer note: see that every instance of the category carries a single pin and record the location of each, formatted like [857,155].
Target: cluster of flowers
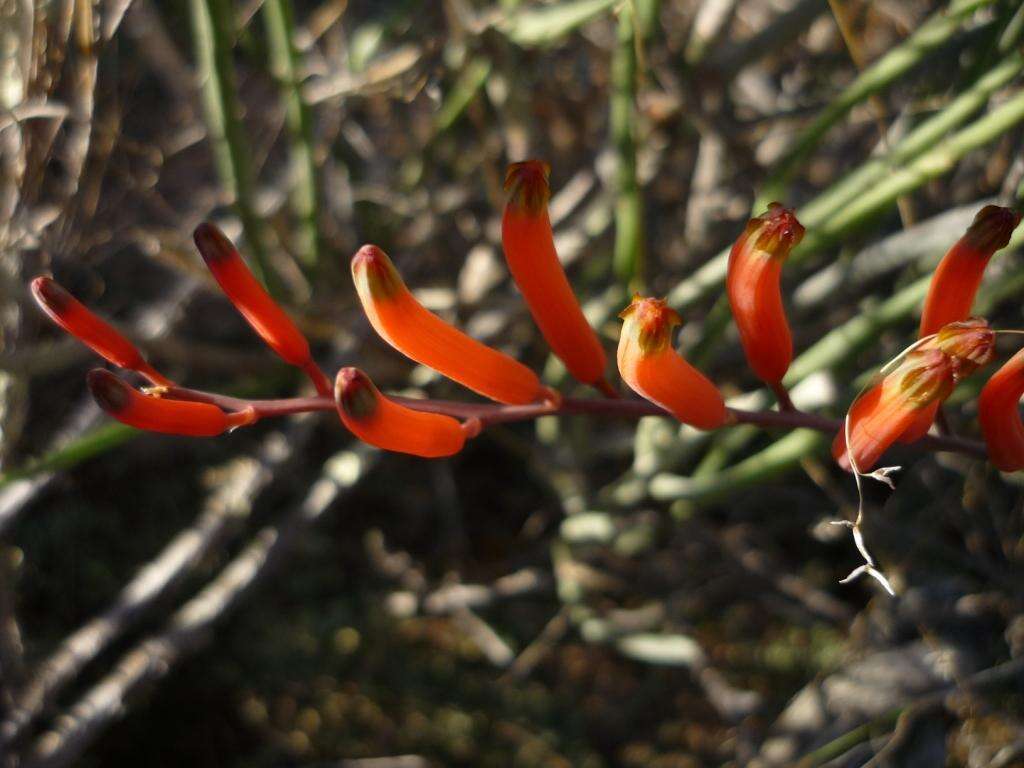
[901,406]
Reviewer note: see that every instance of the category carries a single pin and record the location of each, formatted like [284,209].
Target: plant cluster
[900,406]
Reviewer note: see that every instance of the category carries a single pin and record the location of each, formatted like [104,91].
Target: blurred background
[570,592]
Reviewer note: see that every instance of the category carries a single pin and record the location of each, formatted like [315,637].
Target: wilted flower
[885,411]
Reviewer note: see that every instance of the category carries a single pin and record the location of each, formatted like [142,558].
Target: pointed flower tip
[527,186]
[372,266]
[653,321]
[992,228]
[777,230]
[355,394]
[214,246]
[109,392]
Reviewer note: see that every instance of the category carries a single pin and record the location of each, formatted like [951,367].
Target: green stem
[284,66]
[212,32]
[628,255]
[825,228]
[929,37]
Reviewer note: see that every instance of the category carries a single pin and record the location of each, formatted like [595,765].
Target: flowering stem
[491,414]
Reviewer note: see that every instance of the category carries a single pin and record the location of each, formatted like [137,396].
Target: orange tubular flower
[530,253]
[174,417]
[969,344]
[958,275]
[883,413]
[999,415]
[259,310]
[75,318]
[755,265]
[382,422]
[653,369]
[421,335]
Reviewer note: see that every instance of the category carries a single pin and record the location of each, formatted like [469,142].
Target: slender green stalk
[775,460]
[923,137]
[929,37]
[212,35]
[537,27]
[628,256]
[472,78]
[99,440]
[284,66]
[930,165]
[826,227]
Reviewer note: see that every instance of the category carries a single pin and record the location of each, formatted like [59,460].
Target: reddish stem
[489,414]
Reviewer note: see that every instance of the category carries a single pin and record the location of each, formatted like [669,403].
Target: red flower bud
[153,413]
[262,313]
[958,275]
[888,409]
[999,415]
[653,369]
[755,265]
[530,252]
[419,334]
[75,318]
[380,421]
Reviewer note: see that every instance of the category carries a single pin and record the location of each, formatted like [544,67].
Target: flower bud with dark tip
[260,311]
[156,414]
[956,279]
[380,421]
[75,318]
[653,369]
[752,283]
[417,333]
[530,252]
